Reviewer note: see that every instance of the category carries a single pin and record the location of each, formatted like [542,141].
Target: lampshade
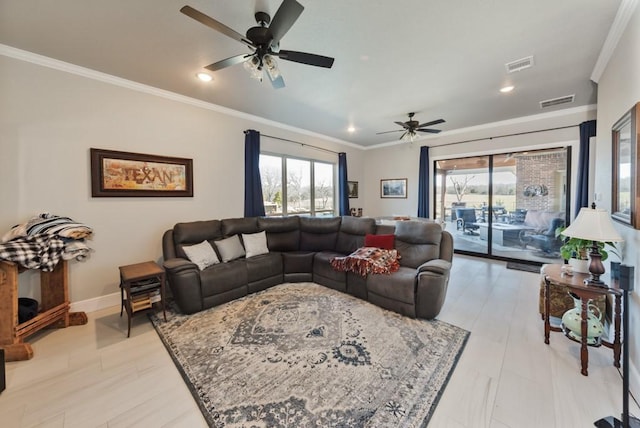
[593,224]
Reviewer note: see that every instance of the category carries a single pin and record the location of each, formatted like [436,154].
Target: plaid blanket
[366,260]
[34,252]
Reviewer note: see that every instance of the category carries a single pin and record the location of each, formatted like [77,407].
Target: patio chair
[466,220]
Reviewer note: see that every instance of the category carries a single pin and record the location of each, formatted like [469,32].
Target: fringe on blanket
[368,260]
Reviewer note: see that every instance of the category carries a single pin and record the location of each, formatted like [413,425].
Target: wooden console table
[54,290]
[553,275]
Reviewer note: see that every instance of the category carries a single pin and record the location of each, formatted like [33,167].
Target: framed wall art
[393,188]
[625,180]
[353,189]
[118,174]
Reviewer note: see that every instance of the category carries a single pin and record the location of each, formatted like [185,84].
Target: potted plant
[576,251]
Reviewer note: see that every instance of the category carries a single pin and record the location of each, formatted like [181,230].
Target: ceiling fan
[264,41]
[411,127]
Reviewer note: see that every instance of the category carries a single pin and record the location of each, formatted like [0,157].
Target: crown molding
[625,11]
[55,64]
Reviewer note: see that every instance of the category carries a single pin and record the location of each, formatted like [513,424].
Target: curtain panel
[423,183]
[253,201]
[343,185]
[587,130]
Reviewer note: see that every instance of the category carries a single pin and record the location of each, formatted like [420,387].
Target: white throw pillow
[201,254]
[230,248]
[255,243]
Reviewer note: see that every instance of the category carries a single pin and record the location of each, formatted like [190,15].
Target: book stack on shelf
[144,294]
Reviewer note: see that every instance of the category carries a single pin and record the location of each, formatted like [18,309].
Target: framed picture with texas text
[118,174]
[393,188]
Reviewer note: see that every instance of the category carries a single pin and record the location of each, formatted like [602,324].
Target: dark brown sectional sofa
[300,250]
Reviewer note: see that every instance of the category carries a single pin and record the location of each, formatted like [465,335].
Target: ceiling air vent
[556,101]
[519,64]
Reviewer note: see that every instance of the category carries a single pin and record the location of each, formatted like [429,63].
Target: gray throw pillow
[230,248]
[255,243]
[201,254]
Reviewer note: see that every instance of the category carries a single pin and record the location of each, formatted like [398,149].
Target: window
[293,186]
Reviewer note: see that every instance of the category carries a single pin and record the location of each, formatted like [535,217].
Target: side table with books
[141,285]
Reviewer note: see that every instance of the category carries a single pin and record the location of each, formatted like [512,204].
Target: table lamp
[593,224]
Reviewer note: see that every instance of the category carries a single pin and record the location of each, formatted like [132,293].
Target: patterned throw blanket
[366,260]
[42,241]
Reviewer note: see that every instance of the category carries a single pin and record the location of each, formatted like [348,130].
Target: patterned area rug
[304,355]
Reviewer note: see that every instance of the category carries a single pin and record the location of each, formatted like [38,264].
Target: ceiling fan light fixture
[409,136]
[272,66]
[253,66]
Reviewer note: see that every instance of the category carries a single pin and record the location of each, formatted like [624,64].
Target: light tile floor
[93,376]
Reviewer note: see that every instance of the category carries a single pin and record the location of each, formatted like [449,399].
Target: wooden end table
[553,275]
[139,283]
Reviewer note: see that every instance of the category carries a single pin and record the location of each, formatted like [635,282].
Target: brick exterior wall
[540,169]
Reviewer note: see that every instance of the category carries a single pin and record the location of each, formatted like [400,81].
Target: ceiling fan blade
[285,17]
[403,135]
[404,125]
[434,122]
[237,59]
[212,23]
[306,58]
[389,132]
[431,131]
[277,83]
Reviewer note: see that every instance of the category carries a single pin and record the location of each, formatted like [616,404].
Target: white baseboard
[97,303]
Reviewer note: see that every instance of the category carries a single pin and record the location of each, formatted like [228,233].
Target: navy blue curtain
[587,130]
[253,202]
[343,185]
[423,183]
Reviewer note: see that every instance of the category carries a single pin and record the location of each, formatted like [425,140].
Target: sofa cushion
[298,261]
[230,248]
[317,234]
[322,266]
[386,242]
[195,232]
[238,226]
[399,285]
[283,233]
[224,277]
[417,242]
[201,254]
[541,220]
[264,266]
[255,243]
[352,233]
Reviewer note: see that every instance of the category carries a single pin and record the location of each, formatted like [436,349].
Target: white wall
[50,118]
[618,91]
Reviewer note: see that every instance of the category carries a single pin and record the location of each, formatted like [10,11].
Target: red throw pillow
[386,242]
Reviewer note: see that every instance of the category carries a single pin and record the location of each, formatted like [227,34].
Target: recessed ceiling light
[351,129]
[204,77]
[506,89]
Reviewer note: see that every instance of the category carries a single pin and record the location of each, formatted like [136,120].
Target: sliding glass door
[506,205]
[462,200]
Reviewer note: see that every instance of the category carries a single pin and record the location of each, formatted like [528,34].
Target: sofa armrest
[431,287]
[184,282]
[178,265]
[438,266]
